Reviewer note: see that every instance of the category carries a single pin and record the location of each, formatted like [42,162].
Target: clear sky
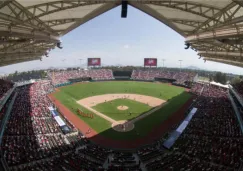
[120,41]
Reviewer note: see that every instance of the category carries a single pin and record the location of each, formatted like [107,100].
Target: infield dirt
[94,100]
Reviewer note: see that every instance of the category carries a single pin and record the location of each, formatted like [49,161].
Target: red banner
[94,61]
[150,61]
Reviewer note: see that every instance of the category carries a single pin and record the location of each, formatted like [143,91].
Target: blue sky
[122,41]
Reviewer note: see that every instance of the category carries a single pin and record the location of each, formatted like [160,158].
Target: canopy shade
[214,27]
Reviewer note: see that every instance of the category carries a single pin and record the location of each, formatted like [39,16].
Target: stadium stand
[239,88]
[33,139]
[123,161]
[60,77]
[65,76]
[4,87]
[150,74]
[211,141]
[197,88]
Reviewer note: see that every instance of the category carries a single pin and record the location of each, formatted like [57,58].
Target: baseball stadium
[125,118]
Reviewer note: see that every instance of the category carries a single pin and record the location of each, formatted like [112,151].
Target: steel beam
[229,62]
[57,22]
[104,8]
[222,57]
[56,6]
[186,22]
[232,54]
[216,34]
[15,9]
[218,17]
[4,3]
[18,60]
[189,7]
[215,45]
[14,54]
[36,35]
[240,2]
[13,47]
[148,10]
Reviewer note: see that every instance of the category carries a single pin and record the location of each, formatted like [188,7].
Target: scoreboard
[150,62]
[94,61]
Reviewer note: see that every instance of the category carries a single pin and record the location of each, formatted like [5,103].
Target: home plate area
[122,125]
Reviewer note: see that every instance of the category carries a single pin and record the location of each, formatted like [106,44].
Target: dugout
[81,79]
[164,80]
[122,75]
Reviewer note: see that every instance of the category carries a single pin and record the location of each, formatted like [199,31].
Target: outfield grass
[176,95]
[110,109]
[80,91]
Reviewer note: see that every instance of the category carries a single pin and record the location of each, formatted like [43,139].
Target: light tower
[63,68]
[80,62]
[163,60]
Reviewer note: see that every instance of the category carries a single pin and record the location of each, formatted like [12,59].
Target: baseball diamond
[148,104]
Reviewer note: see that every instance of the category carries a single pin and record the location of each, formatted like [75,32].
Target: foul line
[112,121]
[99,113]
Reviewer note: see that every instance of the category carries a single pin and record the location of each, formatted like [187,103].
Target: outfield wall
[121,78]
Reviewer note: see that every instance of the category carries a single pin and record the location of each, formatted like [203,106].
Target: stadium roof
[30,28]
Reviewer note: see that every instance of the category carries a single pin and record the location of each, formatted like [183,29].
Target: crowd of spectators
[197,88]
[123,161]
[211,141]
[182,77]
[33,140]
[59,77]
[178,77]
[4,87]
[30,128]
[239,88]
[64,76]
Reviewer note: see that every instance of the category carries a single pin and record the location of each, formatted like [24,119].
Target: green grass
[80,91]
[97,123]
[144,126]
[110,109]
[176,96]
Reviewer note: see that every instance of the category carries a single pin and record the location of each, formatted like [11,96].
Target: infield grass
[110,109]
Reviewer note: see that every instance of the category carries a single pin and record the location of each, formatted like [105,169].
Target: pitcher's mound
[122,107]
[123,126]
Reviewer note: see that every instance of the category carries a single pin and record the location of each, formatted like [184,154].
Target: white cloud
[126,46]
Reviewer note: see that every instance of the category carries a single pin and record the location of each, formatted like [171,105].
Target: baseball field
[122,110]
